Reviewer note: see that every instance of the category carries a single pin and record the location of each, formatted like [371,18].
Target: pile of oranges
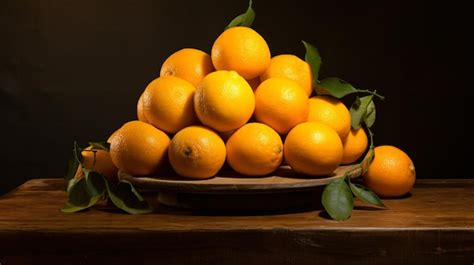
[241,106]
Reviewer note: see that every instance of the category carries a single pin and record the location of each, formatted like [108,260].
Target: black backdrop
[74,70]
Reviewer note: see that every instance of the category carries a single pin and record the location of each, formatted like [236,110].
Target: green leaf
[369,118]
[314,60]
[85,193]
[126,197]
[100,146]
[336,87]
[337,199]
[72,166]
[359,110]
[366,195]
[244,20]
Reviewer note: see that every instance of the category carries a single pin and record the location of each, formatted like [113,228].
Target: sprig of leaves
[244,20]
[86,188]
[337,197]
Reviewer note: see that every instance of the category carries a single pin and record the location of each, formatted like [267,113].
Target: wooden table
[434,226]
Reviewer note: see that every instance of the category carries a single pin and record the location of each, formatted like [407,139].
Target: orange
[243,50]
[138,148]
[332,112]
[168,104]
[255,149]
[189,64]
[391,173]
[313,148]
[355,145]
[103,163]
[254,83]
[140,110]
[197,152]
[281,103]
[224,101]
[291,67]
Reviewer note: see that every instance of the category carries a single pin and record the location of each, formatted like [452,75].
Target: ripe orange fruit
[168,104]
[291,67]
[255,149]
[103,163]
[140,110]
[391,173]
[243,50]
[224,101]
[197,152]
[189,64]
[332,112]
[281,103]
[138,148]
[313,148]
[355,145]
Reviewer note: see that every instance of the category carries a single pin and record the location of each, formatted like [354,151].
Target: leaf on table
[359,110]
[244,20]
[314,60]
[336,87]
[85,193]
[337,199]
[366,195]
[126,197]
[100,146]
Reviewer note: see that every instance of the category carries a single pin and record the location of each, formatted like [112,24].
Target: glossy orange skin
[189,64]
[255,149]
[313,148]
[168,104]
[391,173]
[138,148]
[281,103]
[355,145]
[197,152]
[243,50]
[224,101]
[291,67]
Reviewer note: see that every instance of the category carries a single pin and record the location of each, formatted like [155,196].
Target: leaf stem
[371,135]
[371,92]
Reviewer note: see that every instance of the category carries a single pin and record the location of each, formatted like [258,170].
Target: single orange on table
[391,173]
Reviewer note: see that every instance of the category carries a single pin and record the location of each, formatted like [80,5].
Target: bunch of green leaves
[86,187]
[338,195]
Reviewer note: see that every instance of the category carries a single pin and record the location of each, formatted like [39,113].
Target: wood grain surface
[434,225]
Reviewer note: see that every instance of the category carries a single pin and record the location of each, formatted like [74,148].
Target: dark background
[74,70]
